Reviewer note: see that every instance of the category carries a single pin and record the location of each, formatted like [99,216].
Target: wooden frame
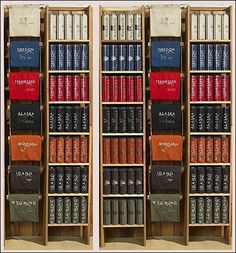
[226,229]
[103,227]
[84,229]
[22,228]
[164,227]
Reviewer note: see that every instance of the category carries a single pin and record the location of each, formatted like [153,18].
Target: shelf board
[68,164]
[67,194]
[122,134]
[121,72]
[123,195]
[68,133]
[121,41]
[123,165]
[209,225]
[210,41]
[122,103]
[68,41]
[208,194]
[209,164]
[68,225]
[210,133]
[67,102]
[123,226]
[209,71]
[209,102]
[67,71]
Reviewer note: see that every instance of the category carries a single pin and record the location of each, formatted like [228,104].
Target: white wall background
[95,5]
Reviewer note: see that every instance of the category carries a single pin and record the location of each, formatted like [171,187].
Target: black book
[68,176]
[106,181]
[76,179]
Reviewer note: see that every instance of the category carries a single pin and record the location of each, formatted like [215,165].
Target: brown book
[106,150]
[68,150]
[52,150]
[122,150]
[84,149]
[76,149]
[139,150]
[131,150]
[60,150]
[114,150]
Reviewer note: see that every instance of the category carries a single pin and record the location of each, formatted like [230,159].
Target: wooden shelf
[85,229]
[123,226]
[121,41]
[210,133]
[209,164]
[68,71]
[209,102]
[67,194]
[142,134]
[122,134]
[208,225]
[67,102]
[68,164]
[123,196]
[68,225]
[68,41]
[68,133]
[122,72]
[123,165]
[210,41]
[210,71]
[122,103]
[226,229]
[208,194]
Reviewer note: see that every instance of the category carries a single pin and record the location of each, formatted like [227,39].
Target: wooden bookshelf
[119,229]
[226,229]
[81,229]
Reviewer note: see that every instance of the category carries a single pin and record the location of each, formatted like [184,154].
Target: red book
[84,88]
[60,88]
[218,88]
[68,88]
[138,89]
[194,88]
[130,88]
[114,89]
[122,89]
[76,88]
[52,88]
[106,89]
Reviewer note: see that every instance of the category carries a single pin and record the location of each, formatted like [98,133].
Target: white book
[61,26]
[209,27]
[121,26]
[194,26]
[129,26]
[84,26]
[217,27]
[68,26]
[225,26]
[201,26]
[137,26]
[76,23]
[105,26]
[113,27]
[53,26]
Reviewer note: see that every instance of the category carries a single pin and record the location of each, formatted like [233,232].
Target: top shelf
[210,41]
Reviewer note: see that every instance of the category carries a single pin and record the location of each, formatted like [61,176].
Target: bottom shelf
[209,225]
[68,225]
[123,226]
